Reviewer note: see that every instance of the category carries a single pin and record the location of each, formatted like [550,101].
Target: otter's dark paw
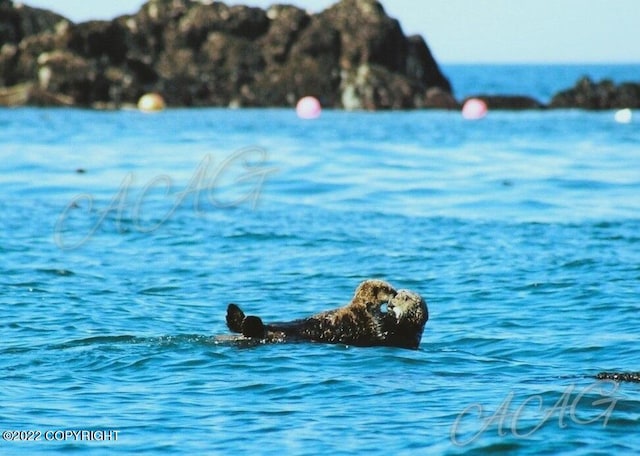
[235,317]
[253,327]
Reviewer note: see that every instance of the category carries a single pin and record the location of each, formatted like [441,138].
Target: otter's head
[373,293]
[406,316]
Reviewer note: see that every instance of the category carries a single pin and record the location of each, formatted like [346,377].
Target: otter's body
[362,322]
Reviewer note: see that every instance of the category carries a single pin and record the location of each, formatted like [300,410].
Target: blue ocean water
[124,236]
[536,80]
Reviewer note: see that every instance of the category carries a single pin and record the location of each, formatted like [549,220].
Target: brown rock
[438,98]
[209,54]
[18,21]
[286,24]
[587,94]
[509,102]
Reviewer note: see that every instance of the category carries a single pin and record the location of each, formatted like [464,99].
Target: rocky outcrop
[195,53]
[587,94]
[509,102]
[204,53]
[19,22]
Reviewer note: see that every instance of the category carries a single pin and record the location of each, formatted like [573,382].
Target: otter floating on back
[364,322]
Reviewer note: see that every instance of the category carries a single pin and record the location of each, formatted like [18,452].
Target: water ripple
[521,233]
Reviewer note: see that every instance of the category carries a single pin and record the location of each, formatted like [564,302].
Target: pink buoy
[308,108]
[474,109]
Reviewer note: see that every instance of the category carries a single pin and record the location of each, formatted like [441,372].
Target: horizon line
[538,62]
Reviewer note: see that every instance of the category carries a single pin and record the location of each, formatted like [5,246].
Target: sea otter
[365,321]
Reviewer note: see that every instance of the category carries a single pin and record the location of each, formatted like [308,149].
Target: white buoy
[624,116]
[151,102]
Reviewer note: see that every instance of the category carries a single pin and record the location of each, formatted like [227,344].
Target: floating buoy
[308,108]
[624,116]
[151,102]
[474,109]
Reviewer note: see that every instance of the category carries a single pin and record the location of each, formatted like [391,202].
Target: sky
[471,31]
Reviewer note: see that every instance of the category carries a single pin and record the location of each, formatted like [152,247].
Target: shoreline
[213,55]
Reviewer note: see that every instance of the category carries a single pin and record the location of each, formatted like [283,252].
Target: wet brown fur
[362,322]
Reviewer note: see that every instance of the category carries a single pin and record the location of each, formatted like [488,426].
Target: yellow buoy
[151,102]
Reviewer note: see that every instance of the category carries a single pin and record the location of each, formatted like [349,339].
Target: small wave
[56,272]
[183,339]
[577,264]
[580,184]
[97,340]
[159,290]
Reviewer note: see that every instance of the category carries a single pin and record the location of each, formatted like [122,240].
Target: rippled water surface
[124,236]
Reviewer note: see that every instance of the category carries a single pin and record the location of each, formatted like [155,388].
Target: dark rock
[422,67]
[100,40]
[30,94]
[312,67]
[302,57]
[509,102]
[69,74]
[200,20]
[351,55]
[229,64]
[587,94]
[287,22]
[374,87]
[19,27]
[438,98]
[380,67]
[368,35]
[19,21]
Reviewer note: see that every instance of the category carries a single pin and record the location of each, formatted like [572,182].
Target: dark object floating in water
[620,376]
[81,171]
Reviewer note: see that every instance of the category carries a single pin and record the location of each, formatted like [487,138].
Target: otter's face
[408,308]
[375,292]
